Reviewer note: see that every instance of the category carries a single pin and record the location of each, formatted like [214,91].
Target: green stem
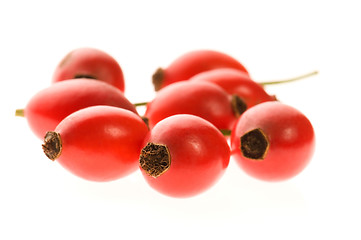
[226,132]
[140,104]
[290,79]
[19,113]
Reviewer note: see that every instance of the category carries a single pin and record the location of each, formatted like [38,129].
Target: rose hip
[192,63]
[273,141]
[202,99]
[183,155]
[236,82]
[49,106]
[98,143]
[90,63]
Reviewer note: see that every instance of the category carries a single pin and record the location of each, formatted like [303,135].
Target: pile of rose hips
[204,98]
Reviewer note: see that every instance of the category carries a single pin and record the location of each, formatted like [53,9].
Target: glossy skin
[291,141]
[194,62]
[199,155]
[101,143]
[202,99]
[90,62]
[48,107]
[236,82]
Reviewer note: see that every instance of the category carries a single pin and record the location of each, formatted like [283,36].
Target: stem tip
[154,159]
[254,144]
[19,113]
[157,79]
[52,146]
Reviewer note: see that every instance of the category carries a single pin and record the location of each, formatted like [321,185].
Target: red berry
[273,141]
[183,156]
[90,63]
[192,63]
[236,82]
[48,107]
[99,143]
[202,99]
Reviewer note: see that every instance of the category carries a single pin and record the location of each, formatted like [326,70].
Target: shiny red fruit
[90,63]
[205,100]
[183,156]
[237,82]
[98,143]
[49,106]
[273,141]
[192,63]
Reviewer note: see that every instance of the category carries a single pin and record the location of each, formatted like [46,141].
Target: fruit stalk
[265,83]
[19,113]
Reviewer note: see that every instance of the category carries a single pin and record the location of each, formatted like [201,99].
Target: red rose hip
[90,63]
[236,82]
[49,106]
[183,155]
[203,99]
[98,143]
[273,141]
[192,63]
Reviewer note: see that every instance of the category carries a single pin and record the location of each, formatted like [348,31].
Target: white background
[273,39]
